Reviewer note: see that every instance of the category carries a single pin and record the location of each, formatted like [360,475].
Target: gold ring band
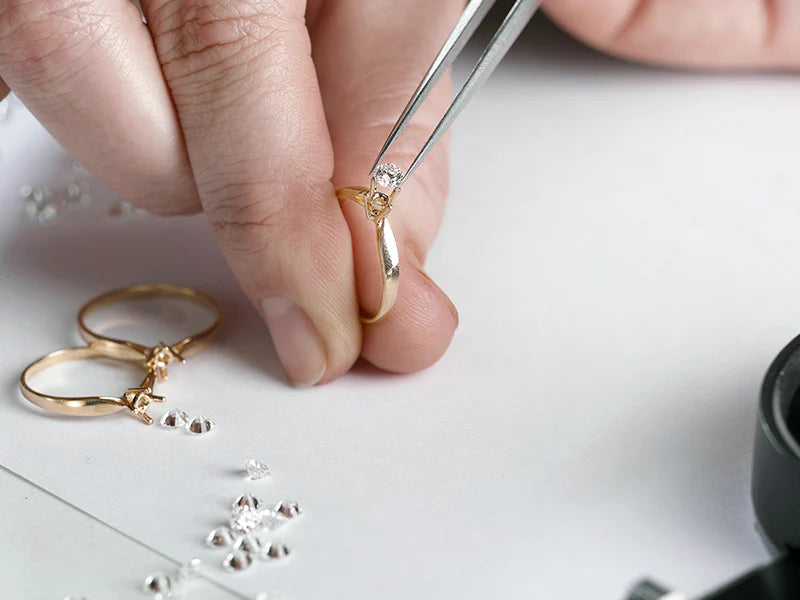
[136,399]
[377,207]
[160,356]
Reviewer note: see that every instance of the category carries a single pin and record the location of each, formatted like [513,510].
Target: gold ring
[136,399]
[158,357]
[377,206]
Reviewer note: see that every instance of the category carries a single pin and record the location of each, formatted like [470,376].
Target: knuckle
[244,219]
[194,36]
[33,33]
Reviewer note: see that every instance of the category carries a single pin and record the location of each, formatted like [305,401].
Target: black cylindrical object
[776,459]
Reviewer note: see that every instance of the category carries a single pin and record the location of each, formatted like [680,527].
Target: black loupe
[775,491]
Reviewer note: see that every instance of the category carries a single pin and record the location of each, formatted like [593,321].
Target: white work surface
[622,245]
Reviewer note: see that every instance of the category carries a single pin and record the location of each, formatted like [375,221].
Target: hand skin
[255,111]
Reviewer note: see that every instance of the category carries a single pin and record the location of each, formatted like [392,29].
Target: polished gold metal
[377,207]
[136,399]
[160,356]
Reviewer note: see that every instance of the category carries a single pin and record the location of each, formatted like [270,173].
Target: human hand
[254,111]
[718,34]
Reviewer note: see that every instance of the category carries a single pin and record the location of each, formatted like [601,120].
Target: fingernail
[296,340]
[412,258]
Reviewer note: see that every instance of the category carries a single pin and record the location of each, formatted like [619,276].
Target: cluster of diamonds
[175,418]
[44,204]
[249,526]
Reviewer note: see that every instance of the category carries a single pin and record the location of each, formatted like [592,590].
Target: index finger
[247,98]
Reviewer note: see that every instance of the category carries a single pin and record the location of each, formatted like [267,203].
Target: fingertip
[418,330]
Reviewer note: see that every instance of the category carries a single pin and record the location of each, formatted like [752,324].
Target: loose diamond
[174,418]
[271,519]
[73,190]
[191,569]
[220,537]
[274,551]
[237,561]
[200,424]
[288,509]
[41,194]
[4,109]
[256,469]
[46,213]
[26,191]
[247,502]
[245,520]
[248,543]
[388,175]
[158,585]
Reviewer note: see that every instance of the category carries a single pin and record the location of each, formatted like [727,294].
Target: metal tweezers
[474,13]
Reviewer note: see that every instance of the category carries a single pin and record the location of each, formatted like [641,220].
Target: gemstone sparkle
[220,537]
[237,561]
[274,551]
[174,418]
[388,175]
[256,469]
[200,424]
[288,509]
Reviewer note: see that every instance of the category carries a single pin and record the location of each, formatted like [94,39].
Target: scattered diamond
[200,424]
[158,585]
[248,543]
[274,551]
[41,193]
[271,520]
[174,418]
[237,561]
[221,537]
[256,469]
[244,520]
[246,502]
[288,509]
[46,213]
[388,175]
[192,568]
[26,191]
[73,191]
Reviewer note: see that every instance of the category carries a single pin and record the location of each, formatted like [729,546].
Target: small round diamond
[245,521]
[237,561]
[274,551]
[288,508]
[256,469]
[220,537]
[388,175]
[158,585]
[200,424]
[247,543]
[174,418]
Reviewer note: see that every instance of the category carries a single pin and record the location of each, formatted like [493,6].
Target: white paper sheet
[622,246]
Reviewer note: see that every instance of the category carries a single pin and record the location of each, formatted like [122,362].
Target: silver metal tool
[474,13]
